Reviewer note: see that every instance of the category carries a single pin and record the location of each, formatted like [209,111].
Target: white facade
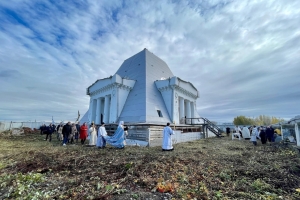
[179,98]
[143,90]
[107,98]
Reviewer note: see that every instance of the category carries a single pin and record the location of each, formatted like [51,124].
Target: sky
[243,56]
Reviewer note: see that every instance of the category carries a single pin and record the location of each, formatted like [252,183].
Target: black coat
[49,129]
[263,136]
[67,129]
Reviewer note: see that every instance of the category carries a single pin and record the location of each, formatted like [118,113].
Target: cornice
[178,89]
[110,87]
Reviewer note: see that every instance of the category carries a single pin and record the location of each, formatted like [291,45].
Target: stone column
[181,110]
[90,110]
[106,109]
[94,110]
[188,110]
[98,108]
[192,111]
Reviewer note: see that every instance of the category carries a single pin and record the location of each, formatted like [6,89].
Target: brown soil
[214,168]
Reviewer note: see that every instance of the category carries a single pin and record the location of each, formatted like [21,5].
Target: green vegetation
[214,168]
[261,120]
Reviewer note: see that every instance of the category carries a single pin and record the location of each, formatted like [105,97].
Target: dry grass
[214,168]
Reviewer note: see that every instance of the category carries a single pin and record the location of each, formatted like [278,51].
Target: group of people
[264,134]
[71,133]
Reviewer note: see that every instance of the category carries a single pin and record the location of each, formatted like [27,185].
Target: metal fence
[5,126]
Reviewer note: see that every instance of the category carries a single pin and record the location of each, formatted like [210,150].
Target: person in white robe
[167,138]
[93,135]
[246,133]
[238,131]
[254,135]
[256,131]
[117,140]
[101,142]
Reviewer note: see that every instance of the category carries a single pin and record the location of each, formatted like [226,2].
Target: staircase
[212,127]
[206,123]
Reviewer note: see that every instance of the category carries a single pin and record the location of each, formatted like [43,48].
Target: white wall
[186,137]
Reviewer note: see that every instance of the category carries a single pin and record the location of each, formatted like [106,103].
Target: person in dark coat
[263,135]
[273,131]
[67,129]
[227,131]
[270,134]
[49,130]
[42,128]
[78,131]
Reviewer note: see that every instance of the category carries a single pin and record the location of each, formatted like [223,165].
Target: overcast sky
[242,56]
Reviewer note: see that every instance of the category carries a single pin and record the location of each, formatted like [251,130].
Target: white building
[146,95]
[143,90]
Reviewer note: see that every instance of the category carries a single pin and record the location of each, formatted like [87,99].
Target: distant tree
[261,120]
[275,120]
[242,120]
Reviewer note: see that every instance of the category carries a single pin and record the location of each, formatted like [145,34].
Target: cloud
[242,56]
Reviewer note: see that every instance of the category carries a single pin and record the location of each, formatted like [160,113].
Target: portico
[107,98]
[183,96]
[143,90]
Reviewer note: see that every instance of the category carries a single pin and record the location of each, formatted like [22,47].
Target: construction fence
[5,126]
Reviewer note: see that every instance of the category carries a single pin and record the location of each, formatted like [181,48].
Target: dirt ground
[214,168]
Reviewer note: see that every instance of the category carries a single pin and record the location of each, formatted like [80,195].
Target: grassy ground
[214,168]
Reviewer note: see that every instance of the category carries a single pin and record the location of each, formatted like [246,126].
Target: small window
[159,113]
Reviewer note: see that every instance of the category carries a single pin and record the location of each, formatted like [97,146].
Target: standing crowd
[264,134]
[70,134]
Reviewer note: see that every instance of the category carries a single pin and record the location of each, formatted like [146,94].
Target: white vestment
[245,132]
[255,132]
[253,135]
[167,138]
[237,129]
[101,133]
[93,136]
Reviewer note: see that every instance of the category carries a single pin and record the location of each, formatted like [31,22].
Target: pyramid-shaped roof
[144,99]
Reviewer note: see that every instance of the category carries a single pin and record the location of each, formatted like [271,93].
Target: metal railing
[206,123]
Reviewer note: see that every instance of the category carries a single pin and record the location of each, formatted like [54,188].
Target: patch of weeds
[128,165]
[270,196]
[99,186]
[218,194]
[183,178]
[242,184]
[202,190]
[288,153]
[294,168]
[120,191]
[135,196]
[260,186]
[242,181]
[23,186]
[246,195]
[225,175]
